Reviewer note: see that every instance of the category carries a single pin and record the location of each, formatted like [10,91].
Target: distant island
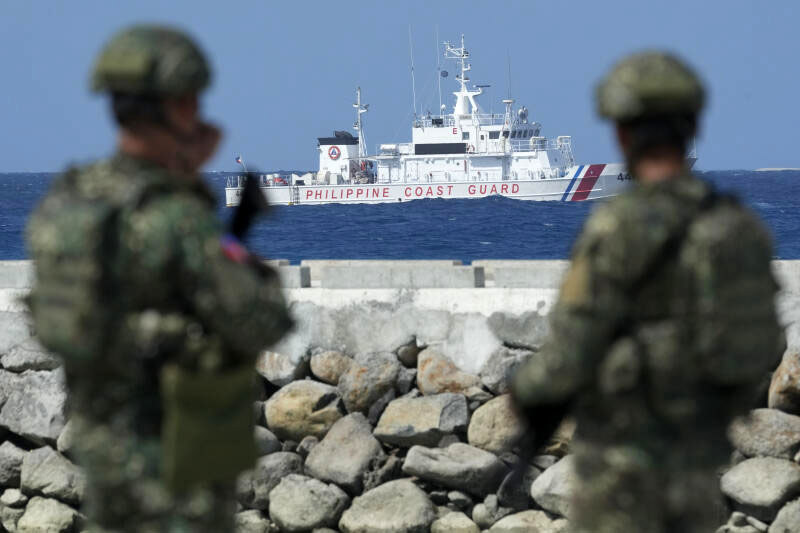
[774,169]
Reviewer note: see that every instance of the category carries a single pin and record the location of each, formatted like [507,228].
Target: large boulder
[454,523]
[422,421]
[398,506]
[345,454]
[9,518]
[498,371]
[784,390]
[760,486]
[526,331]
[269,471]
[47,472]
[28,355]
[766,432]
[10,464]
[13,498]
[303,408]
[788,519]
[300,503]
[459,466]
[495,426]
[328,366]
[34,404]
[553,488]
[370,379]
[281,369]
[44,515]
[437,374]
[266,441]
[514,491]
[529,522]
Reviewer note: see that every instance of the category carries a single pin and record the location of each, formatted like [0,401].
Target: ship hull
[583,182]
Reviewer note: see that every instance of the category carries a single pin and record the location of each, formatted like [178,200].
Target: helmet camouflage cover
[649,84]
[150,59]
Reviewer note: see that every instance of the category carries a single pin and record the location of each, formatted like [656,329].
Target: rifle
[251,204]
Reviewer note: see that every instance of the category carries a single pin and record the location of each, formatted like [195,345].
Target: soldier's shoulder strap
[672,245]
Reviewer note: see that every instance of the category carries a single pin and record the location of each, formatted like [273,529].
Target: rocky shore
[387,410]
[396,441]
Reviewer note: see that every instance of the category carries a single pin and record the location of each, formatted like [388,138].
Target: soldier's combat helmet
[649,84]
[151,60]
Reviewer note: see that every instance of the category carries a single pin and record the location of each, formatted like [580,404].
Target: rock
[281,369]
[67,438]
[406,378]
[767,432]
[386,472]
[44,515]
[437,374]
[514,491]
[367,381]
[459,466]
[543,462]
[345,454]
[251,521]
[10,464]
[258,414]
[34,404]
[9,518]
[495,427]
[760,486]
[289,446]
[29,355]
[244,489]
[558,445]
[268,473]
[528,522]
[461,500]
[14,329]
[552,489]
[740,523]
[487,513]
[328,366]
[407,354]
[398,506]
[526,331]
[305,446]
[303,408]
[788,519]
[784,389]
[266,441]
[425,420]
[300,503]
[13,498]
[47,472]
[454,523]
[498,371]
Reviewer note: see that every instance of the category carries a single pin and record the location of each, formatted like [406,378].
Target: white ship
[464,154]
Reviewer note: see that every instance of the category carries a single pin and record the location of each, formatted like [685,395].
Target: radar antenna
[359,126]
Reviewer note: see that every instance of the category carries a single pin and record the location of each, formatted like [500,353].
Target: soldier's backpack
[71,238]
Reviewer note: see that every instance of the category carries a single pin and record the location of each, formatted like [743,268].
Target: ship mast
[359,126]
[465,99]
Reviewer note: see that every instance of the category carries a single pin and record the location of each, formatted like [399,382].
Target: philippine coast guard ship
[464,154]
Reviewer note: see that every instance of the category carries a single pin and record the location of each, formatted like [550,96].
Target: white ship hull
[582,182]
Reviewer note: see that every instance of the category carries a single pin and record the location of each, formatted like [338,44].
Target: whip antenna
[413,82]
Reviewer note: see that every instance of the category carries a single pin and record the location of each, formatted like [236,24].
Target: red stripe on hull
[587,182]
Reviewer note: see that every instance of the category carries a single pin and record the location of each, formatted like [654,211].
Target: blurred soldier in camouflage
[159,315]
[664,324]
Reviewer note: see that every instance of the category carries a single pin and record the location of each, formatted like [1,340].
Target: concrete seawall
[374,306]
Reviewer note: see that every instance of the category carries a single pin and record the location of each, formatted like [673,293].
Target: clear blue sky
[286,71]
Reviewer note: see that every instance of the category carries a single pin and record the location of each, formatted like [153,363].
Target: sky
[286,71]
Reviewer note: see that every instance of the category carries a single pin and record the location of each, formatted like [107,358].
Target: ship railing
[489,119]
[435,121]
[237,182]
[563,144]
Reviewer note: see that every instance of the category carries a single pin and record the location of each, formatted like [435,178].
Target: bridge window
[465,136]
[494,135]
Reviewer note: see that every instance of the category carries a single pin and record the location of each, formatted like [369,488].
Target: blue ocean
[489,228]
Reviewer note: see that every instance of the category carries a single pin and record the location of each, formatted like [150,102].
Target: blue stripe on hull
[572,184]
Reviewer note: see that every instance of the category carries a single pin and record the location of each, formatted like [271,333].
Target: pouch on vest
[207,432]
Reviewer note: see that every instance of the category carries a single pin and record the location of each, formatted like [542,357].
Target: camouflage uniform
[180,300]
[655,360]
